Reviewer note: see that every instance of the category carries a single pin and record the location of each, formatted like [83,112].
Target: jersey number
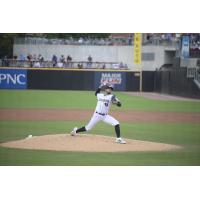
[106,104]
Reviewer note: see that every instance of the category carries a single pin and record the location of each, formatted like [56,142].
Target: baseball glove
[119,104]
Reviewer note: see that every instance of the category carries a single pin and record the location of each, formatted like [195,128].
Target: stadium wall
[172,81]
[175,82]
[152,56]
[81,80]
[54,79]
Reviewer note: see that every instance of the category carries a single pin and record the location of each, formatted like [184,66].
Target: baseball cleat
[120,141]
[73,133]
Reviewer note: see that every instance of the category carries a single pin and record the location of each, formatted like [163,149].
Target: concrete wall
[99,53]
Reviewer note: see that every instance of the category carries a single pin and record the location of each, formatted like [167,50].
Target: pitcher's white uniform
[104,101]
[101,111]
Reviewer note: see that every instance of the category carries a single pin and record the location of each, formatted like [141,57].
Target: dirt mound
[86,143]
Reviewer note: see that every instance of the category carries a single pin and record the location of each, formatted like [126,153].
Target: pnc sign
[13,79]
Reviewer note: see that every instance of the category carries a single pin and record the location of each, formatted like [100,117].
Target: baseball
[30,136]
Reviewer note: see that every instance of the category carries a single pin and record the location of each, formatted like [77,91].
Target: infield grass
[87,100]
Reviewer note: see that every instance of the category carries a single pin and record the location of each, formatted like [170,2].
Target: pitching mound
[86,143]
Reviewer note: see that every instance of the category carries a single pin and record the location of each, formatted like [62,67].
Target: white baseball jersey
[101,111]
[104,102]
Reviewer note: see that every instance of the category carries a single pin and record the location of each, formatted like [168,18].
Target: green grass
[46,158]
[87,100]
[185,134]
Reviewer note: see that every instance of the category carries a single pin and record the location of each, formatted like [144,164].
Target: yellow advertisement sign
[137,48]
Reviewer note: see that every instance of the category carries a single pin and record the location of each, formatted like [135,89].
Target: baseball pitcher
[104,101]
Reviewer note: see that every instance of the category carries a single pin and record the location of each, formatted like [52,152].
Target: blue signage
[118,79]
[13,78]
[185,47]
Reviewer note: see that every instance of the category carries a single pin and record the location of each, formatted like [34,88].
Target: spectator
[54,60]
[40,58]
[62,59]
[130,40]
[15,57]
[104,66]
[36,64]
[148,37]
[34,57]
[169,37]
[80,66]
[80,41]
[22,57]
[163,36]
[89,64]
[121,65]
[60,64]
[115,66]
[69,60]
[5,61]
[29,57]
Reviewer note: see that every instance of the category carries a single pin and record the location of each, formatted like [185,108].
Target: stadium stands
[114,39]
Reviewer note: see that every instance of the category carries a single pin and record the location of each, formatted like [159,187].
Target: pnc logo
[13,79]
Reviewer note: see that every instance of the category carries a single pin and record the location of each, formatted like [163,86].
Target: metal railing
[70,65]
[191,72]
[197,77]
[194,73]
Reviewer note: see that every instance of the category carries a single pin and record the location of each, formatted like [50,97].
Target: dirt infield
[86,143]
[85,115]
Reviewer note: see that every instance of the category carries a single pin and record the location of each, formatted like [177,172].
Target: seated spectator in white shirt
[60,64]
[36,64]
[115,66]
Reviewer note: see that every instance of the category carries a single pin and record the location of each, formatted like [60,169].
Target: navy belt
[101,114]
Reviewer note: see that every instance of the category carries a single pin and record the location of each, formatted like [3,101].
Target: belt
[101,114]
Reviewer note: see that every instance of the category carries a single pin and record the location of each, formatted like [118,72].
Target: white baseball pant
[97,118]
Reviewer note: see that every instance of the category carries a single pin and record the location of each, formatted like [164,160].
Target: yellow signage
[137,48]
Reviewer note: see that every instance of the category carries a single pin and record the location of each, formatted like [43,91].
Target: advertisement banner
[118,79]
[13,78]
[185,46]
[137,48]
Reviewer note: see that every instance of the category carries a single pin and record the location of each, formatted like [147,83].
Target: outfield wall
[54,79]
[169,81]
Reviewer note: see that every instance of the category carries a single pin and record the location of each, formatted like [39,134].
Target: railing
[191,72]
[197,77]
[195,74]
[72,65]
